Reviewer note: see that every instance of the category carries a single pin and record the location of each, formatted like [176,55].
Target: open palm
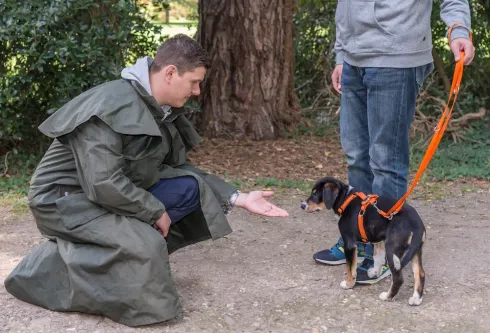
[256,203]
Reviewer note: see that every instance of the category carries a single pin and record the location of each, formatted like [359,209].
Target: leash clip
[390,217]
[376,207]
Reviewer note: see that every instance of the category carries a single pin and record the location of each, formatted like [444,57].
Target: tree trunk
[439,65]
[249,88]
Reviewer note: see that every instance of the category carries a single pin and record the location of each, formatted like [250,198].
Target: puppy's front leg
[379,256]
[351,264]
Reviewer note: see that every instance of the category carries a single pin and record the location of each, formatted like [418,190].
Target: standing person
[115,196]
[383,54]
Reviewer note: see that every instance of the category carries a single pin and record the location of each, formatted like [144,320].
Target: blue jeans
[377,108]
[180,196]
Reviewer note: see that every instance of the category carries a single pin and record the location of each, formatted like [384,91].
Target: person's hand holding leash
[462,44]
[336,77]
[256,202]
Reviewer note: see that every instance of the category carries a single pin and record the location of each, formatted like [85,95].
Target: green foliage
[14,185]
[18,166]
[313,44]
[314,57]
[52,50]
[475,87]
[470,158]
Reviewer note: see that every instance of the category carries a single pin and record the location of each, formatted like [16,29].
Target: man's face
[180,87]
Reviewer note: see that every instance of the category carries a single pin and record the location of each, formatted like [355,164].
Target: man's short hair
[181,51]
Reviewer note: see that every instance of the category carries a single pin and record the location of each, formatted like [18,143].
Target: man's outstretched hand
[256,202]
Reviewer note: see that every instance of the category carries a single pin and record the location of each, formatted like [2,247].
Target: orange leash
[368,200]
[439,129]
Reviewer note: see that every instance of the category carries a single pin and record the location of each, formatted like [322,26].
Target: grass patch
[467,159]
[14,186]
[15,204]
[271,184]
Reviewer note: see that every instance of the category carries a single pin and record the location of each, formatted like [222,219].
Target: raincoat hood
[140,73]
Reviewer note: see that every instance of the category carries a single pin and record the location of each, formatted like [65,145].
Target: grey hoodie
[140,72]
[393,33]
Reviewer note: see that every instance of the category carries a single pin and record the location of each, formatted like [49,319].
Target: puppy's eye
[316,197]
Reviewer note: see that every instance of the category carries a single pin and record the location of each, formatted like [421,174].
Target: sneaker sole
[373,281]
[337,262]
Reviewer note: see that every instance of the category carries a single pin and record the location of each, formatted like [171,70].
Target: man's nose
[196,91]
[303,205]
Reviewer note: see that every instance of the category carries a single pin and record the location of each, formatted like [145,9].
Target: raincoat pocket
[76,210]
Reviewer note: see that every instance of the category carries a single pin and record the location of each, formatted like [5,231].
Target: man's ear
[170,71]
[330,193]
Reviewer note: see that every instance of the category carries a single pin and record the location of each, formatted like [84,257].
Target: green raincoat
[88,196]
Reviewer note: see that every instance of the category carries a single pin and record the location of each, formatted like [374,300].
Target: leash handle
[439,129]
[451,30]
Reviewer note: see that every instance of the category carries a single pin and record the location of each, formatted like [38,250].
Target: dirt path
[262,278]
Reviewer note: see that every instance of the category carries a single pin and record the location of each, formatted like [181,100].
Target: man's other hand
[336,77]
[163,224]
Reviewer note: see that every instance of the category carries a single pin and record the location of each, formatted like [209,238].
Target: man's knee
[190,185]
[190,192]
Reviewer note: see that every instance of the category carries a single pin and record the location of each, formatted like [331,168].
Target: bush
[52,50]
[314,59]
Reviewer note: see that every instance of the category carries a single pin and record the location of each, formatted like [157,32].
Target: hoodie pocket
[369,35]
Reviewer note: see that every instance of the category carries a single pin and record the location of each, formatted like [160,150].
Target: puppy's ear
[330,193]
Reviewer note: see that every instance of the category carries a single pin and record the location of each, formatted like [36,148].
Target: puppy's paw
[415,300]
[346,285]
[373,272]
[384,297]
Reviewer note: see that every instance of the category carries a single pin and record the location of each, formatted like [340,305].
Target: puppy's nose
[303,205]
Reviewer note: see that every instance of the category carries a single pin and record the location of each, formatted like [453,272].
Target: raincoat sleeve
[221,189]
[97,150]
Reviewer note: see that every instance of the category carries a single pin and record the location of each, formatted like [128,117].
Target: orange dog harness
[367,200]
[371,199]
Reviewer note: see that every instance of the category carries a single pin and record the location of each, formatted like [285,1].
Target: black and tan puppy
[402,237]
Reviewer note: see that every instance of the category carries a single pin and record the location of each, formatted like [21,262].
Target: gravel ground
[262,278]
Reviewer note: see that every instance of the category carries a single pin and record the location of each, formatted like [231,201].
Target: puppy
[403,236]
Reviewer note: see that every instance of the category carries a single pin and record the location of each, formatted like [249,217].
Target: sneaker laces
[336,246]
[367,264]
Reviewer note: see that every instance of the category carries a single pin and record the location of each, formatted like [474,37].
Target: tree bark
[439,65]
[249,88]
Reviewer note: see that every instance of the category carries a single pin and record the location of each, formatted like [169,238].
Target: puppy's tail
[416,243]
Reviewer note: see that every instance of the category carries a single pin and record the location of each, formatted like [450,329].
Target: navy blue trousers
[180,196]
